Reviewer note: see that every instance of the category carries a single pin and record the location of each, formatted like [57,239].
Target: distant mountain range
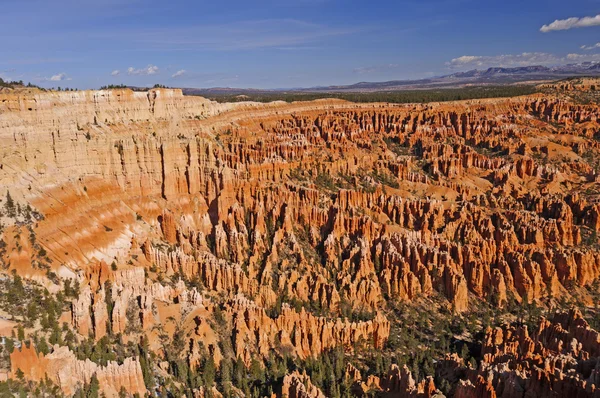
[490,76]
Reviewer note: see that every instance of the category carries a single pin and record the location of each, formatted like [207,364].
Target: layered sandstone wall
[291,219]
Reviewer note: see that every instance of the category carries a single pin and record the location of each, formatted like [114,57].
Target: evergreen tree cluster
[398,96]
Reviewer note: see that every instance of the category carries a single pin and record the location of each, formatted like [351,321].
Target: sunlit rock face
[293,229]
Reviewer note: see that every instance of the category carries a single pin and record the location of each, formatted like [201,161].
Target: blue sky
[284,43]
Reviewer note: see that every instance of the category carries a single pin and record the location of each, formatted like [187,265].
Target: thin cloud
[9,75]
[583,57]
[571,23]
[207,77]
[148,70]
[115,72]
[592,47]
[179,73]
[34,61]
[504,60]
[376,68]
[516,60]
[284,34]
[223,80]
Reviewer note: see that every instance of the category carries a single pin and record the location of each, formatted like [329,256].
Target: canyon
[243,249]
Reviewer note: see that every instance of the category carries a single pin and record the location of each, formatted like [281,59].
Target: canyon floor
[156,244]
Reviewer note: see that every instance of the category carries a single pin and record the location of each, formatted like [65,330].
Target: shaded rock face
[559,359]
[302,333]
[299,225]
[296,385]
[397,382]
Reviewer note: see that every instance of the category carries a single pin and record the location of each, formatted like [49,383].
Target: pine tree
[21,333]
[226,371]
[43,346]
[93,391]
[19,373]
[9,345]
[146,364]
[464,352]
[256,371]
[10,205]
[209,372]
[239,373]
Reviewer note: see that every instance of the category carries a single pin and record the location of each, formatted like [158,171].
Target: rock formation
[559,359]
[296,385]
[245,231]
[64,369]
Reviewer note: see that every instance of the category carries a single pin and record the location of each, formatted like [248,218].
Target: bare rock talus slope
[192,242]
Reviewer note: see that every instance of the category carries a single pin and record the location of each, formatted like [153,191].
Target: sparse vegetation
[16,84]
[402,97]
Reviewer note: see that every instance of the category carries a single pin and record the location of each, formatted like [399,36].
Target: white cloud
[582,57]
[148,70]
[467,59]
[179,73]
[592,47]
[58,78]
[516,60]
[571,23]
[115,72]
[504,60]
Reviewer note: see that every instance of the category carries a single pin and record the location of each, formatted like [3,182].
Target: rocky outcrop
[400,383]
[275,224]
[298,385]
[301,332]
[397,382]
[65,370]
[559,358]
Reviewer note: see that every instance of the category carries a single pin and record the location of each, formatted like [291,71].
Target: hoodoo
[156,243]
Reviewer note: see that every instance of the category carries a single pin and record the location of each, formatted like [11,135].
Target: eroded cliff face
[296,385]
[69,373]
[559,359]
[250,230]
